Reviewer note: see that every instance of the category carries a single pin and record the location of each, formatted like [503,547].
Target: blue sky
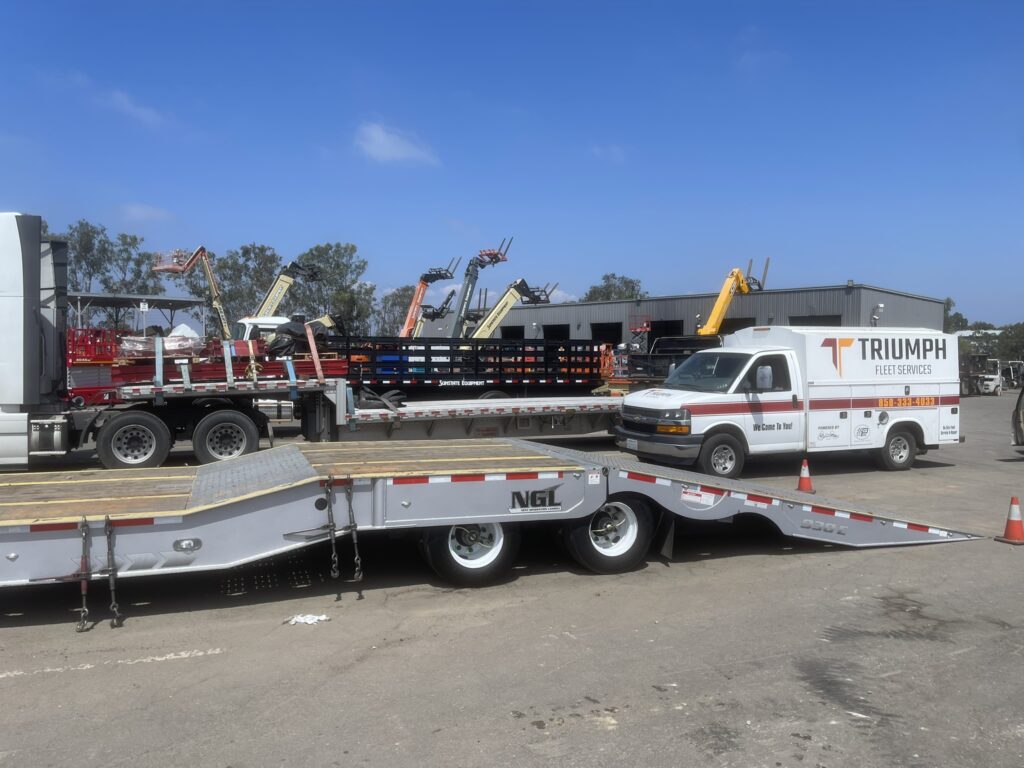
[878,142]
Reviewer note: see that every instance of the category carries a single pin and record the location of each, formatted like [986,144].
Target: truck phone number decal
[907,402]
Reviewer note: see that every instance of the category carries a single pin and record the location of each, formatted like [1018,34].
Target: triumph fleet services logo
[837,346]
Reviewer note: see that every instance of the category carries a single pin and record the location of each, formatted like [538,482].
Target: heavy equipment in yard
[66,389]
[519,292]
[264,321]
[635,366]
[485,258]
[466,500]
[431,276]
[180,262]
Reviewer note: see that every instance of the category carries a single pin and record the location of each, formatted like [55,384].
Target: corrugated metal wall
[844,305]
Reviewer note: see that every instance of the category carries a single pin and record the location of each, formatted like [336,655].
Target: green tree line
[120,264]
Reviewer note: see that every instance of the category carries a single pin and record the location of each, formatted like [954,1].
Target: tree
[243,276]
[128,270]
[89,251]
[952,321]
[1010,344]
[393,308]
[612,287]
[340,291]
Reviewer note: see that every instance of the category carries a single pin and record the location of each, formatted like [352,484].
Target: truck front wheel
[471,554]
[721,456]
[224,435]
[899,451]
[133,440]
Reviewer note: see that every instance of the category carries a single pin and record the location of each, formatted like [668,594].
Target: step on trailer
[465,498]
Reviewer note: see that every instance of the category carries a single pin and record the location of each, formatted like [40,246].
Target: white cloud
[144,212]
[113,99]
[121,102]
[558,296]
[612,153]
[389,145]
[755,52]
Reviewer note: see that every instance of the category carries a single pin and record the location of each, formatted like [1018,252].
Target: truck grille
[640,419]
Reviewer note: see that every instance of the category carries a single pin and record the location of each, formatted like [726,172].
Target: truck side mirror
[764,378]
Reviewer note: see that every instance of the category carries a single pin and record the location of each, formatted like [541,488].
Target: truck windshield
[708,372]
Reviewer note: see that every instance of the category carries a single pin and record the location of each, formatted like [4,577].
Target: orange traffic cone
[1014,533]
[805,484]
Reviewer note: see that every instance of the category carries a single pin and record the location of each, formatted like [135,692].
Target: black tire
[614,539]
[721,456]
[133,440]
[494,394]
[460,554]
[223,435]
[899,451]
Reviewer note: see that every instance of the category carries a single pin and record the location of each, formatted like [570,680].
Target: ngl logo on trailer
[793,390]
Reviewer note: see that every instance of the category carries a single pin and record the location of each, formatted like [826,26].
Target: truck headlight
[674,422]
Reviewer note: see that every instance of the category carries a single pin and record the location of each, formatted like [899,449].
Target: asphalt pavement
[745,649]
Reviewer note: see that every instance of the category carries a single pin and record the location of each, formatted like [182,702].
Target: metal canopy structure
[166,305]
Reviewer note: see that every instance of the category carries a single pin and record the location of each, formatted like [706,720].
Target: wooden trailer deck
[40,498]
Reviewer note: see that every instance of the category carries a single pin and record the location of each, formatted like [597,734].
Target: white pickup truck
[800,390]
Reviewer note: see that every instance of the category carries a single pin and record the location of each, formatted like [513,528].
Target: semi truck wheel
[471,554]
[721,456]
[614,539]
[224,435]
[899,450]
[132,440]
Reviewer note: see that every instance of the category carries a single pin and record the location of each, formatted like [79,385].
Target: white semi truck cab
[795,390]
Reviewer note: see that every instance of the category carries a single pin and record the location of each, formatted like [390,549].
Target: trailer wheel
[494,394]
[899,450]
[471,554]
[721,456]
[612,540]
[133,439]
[224,435]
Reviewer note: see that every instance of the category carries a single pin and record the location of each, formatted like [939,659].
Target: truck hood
[669,398]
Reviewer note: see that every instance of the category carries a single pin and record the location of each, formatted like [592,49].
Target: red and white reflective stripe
[921,528]
[755,500]
[860,517]
[642,478]
[474,478]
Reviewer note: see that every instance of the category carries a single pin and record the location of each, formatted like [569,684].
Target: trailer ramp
[701,497]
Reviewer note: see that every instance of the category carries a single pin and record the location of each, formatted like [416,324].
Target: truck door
[774,418]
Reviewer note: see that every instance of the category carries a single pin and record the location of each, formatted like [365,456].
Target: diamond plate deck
[248,475]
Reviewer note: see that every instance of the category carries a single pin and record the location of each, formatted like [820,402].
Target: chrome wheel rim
[226,441]
[133,444]
[723,459]
[899,449]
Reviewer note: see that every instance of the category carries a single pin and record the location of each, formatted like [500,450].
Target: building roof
[712,295]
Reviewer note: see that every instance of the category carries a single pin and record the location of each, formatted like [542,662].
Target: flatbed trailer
[465,498]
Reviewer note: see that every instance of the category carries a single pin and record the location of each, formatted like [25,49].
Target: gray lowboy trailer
[466,497]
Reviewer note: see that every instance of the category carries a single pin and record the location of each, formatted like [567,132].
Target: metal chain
[331,528]
[108,530]
[357,560]
[83,574]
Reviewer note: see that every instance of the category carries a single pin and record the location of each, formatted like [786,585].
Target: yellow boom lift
[519,291]
[735,282]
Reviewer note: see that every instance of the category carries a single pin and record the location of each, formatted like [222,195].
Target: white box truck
[800,390]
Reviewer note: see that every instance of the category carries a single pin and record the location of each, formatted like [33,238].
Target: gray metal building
[852,304]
